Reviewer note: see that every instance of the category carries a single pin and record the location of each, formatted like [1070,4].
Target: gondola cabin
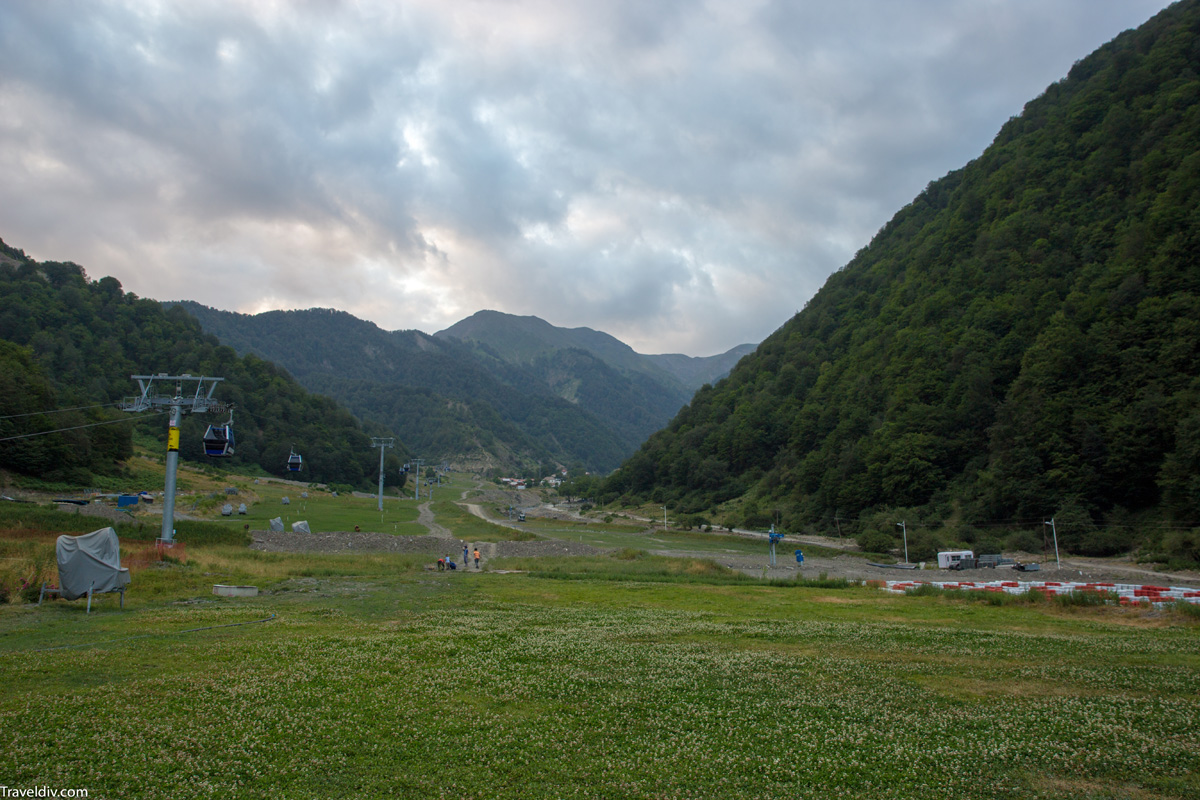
[294,462]
[218,441]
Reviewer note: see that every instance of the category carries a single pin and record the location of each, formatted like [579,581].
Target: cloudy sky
[681,174]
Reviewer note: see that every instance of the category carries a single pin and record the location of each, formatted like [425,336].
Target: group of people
[446,563]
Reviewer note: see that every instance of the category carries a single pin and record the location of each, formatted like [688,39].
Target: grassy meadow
[368,676]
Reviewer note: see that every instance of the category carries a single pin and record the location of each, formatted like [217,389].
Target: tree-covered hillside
[1022,340]
[67,342]
[634,394]
[443,401]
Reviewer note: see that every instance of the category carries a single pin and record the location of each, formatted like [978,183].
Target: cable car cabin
[294,462]
[218,441]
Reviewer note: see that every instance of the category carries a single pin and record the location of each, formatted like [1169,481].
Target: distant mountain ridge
[530,392]
[522,339]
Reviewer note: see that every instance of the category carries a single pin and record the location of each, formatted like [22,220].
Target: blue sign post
[774,537]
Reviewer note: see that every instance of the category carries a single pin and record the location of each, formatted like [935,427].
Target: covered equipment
[89,564]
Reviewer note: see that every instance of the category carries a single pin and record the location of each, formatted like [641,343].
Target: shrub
[1182,545]
[1025,541]
[629,554]
[876,541]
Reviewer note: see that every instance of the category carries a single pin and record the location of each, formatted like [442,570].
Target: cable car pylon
[200,402]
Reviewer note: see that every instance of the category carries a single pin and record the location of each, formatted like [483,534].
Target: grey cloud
[683,175]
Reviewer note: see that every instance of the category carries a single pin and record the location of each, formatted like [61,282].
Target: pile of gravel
[97,510]
[544,548]
[344,542]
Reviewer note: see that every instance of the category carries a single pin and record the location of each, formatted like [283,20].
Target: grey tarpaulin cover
[300,527]
[91,561]
[277,524]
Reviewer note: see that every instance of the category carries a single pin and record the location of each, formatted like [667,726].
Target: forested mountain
[530,340]
[1021,341]
[636,394]
[67,342]
[694,372]
[443,401]
[493,389]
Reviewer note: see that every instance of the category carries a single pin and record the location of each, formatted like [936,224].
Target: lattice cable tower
[198,403]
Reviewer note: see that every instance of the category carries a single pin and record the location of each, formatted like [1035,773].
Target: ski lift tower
[198,403]
[417,462]
[383,445]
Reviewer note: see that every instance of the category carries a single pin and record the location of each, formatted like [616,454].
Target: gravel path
[425,517]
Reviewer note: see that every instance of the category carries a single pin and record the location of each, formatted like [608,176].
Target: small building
[948,559]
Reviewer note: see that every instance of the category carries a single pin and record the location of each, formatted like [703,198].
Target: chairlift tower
[176,404]
[383,445]
[417,481]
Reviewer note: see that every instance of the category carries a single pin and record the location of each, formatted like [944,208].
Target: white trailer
[948,559]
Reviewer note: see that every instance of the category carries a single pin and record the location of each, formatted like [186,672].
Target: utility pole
[1057,563]
[904,530]
[382,444]
[176,404]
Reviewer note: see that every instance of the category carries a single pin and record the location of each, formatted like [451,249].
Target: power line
[73,428]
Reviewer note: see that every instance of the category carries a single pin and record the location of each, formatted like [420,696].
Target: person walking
[476,557]
[466,559]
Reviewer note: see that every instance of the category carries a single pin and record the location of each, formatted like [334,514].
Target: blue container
[126,500]
[799,557]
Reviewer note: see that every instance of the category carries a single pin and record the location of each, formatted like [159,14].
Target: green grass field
[367,676]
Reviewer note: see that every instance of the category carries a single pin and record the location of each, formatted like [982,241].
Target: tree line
[70,342]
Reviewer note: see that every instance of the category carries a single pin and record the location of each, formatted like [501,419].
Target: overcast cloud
[682,175]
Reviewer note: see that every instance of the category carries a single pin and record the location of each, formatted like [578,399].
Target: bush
[1024,541]
[1182,545]
[876,542]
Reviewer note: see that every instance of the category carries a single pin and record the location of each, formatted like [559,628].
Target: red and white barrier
[1126,592]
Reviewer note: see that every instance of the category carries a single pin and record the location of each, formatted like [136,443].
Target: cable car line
[58,410]
[73,428]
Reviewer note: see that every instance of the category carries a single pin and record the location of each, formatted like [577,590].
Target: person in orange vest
[476,558]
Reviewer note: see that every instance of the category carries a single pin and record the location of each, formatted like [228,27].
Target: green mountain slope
[633,393]
[440,398]
[1022,340]
[69,342]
